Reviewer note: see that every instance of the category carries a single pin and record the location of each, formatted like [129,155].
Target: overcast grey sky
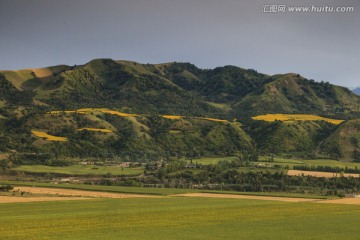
[208,33]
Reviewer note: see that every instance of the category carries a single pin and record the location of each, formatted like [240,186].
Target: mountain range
[172,110]
[356,90]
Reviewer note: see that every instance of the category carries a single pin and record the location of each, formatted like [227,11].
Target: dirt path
[214,195]
[79,193]
[320,174]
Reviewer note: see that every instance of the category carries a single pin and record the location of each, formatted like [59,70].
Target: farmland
[311,162]
[320,174]
[208,161]
[48,137]
[178,218]
[295,117]
[80,170]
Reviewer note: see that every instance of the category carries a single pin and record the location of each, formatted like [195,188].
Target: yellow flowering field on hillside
[48,137]
[122,114]
[174,117]
[295,117]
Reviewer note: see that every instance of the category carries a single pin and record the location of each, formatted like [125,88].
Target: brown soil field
[38,194]
[319,174]
[215,195]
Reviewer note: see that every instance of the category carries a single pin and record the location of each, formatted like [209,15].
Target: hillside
[298,139]
[133,137]
[344,143]
[291,93]
[150,111]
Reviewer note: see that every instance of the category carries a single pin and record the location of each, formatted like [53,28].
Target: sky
[208,33]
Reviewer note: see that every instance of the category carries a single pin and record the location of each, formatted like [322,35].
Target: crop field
[320,174]
[177,218]
[172,117]
[295,117]
[80,170]
[48,137]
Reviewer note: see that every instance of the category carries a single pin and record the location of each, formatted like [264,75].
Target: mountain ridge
[177,89]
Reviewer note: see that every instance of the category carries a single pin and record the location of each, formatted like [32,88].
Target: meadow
[177,218]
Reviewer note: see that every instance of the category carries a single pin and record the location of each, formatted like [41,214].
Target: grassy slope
[29,79]
[178,218]
[344,142]
[299,136]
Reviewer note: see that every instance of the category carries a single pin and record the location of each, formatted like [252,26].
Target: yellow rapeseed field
[213,119]
[172,117]
[48,137]
[91,110]
[295,117]
[122,114]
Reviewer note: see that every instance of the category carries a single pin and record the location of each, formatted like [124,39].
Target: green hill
[228,93]
[291,93]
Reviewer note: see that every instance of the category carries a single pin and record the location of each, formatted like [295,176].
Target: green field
[177,218]
[80,170]
[317,162]
[215,160]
